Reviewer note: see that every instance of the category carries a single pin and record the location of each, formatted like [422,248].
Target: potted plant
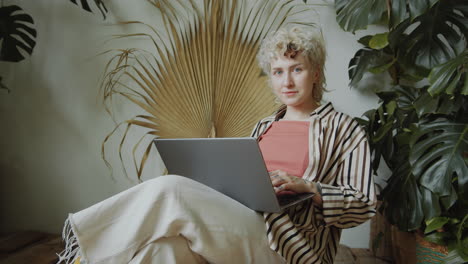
[420,128]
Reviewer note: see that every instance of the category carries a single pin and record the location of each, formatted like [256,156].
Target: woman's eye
[297,69]
[277,72]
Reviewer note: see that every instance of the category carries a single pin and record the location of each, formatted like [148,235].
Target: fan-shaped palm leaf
[84,4]
[15,33]
[204,80]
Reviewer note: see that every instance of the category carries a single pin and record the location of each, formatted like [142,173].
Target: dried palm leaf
[203,80]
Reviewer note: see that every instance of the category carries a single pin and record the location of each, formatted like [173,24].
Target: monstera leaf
[437,155]
[442,104]
[85,6]
[402,9]
[376,57]
[368,60]
[360,64]
[358,14]
[447,77]
[16,33]
[403,203]
[353,15]
[434,37]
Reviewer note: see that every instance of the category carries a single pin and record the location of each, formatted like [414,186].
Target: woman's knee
[167,183]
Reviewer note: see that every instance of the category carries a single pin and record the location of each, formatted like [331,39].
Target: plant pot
[403,246]
[393,245]
[428,252]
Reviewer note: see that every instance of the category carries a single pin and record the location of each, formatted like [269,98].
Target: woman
[307,147]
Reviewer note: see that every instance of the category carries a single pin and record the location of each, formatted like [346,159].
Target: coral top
[285,146]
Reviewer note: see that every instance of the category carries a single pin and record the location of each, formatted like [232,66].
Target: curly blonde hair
[291,41]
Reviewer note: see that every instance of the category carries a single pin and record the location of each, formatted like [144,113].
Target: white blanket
[170,219]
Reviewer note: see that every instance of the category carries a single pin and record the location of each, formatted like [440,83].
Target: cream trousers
[171,219]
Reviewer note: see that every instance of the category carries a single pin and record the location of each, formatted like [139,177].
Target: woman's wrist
[316,188]
[312,187]
[318,185]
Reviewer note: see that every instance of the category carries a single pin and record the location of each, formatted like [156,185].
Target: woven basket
[428,252]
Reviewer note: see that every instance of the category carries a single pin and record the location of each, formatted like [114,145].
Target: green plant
[17,32]
[99,4]
[420,128]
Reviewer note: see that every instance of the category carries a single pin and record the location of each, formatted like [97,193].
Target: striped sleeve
[351,201]
[255,130]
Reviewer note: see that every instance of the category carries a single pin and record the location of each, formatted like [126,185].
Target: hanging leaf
[448,201]
[352,15]
[430,203]
[367,60]
[435,223]
[395,112]
[369,123]
[406,97]
[16,33]
[437,154]
[455,256]
[382,68]
[443,104]
[450,76]
[84,4]
[434,37]
[379,41]
[440,238]
[365,40]
[402,200]
[403,9]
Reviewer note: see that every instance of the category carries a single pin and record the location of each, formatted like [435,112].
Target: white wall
[53,121]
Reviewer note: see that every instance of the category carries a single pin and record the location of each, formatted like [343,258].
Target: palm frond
[202,80]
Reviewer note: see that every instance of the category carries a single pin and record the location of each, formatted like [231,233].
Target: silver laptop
[232,166]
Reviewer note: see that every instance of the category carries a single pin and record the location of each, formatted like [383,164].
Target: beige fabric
[129,225]
[173,249]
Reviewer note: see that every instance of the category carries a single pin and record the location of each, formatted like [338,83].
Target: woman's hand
[284,182]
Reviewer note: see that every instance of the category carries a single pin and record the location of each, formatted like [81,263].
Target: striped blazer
[339,159]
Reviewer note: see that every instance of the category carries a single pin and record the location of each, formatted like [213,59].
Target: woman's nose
[287,80]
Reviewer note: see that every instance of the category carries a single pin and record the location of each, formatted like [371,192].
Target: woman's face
[292,80]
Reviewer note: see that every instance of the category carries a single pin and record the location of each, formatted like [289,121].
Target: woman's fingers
[285,182]
[275,178]
[277,181]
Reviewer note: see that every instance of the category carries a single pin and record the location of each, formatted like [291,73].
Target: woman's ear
[317,75]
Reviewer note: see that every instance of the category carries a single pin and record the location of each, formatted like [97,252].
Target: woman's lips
[289,93]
